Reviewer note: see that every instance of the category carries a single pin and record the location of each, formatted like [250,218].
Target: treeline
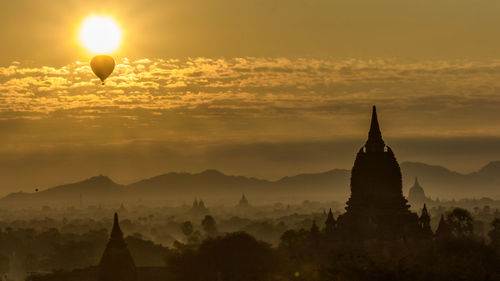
[455,252]
[313,255]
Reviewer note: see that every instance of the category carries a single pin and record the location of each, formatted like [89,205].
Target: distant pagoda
[416,195]
[116,262]
[243,202]
[376,208]
[199,207]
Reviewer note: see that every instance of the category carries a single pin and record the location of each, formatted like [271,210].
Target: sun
[100,34]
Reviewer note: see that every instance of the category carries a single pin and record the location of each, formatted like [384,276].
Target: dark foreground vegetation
[454,252]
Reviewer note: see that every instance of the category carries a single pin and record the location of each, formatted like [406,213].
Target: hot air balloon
[102,66]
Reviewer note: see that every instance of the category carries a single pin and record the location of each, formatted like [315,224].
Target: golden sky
[204,84]
[43,31]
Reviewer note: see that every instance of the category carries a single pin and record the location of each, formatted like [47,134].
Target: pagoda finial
[416,181]
[116,232]
[424,210]
[375,143]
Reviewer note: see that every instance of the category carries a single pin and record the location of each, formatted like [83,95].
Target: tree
[494,233]
[146,252]
[208,224]
[314,234]
[4,265]
[235,256]
[460,222]
[187,228]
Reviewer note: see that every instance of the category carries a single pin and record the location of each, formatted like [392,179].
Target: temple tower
[330,224]
[314,234]
[243,202]
[443,230]
[376,208]
[425,223]
[116,262]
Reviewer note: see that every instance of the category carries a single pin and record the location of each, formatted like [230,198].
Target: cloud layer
[190,114]
[460,97]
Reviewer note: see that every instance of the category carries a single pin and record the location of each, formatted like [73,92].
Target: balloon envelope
[102,66]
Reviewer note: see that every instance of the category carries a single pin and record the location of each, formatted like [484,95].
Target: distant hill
[438,181]
[201,184]
[335,182]
[93,190]
[214,185]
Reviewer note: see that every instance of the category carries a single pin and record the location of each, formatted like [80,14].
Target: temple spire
[375,143]
[116,263]
[425,223]
[116,232]
[424,211]
[443,230]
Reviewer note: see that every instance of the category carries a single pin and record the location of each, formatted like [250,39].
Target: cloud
[420,98]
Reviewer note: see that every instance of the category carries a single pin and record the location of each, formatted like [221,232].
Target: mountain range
[213,185]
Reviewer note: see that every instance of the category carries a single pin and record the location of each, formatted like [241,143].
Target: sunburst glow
[100,34]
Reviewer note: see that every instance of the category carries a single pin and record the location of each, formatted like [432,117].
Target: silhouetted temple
[376,208]
[425,223]
[199,207]
[116,262]
[330,224]
[243,202]
[443,230]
